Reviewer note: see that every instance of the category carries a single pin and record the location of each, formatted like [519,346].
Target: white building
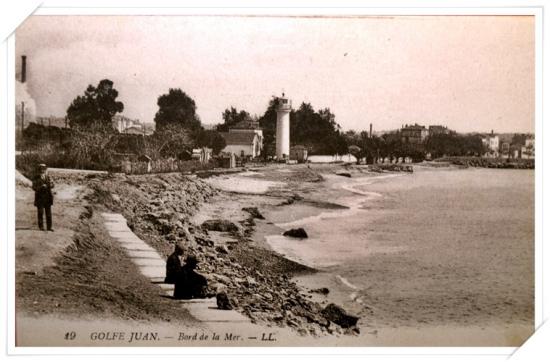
[250,127]
[242,144]
[528,150]
[245,139]
[122,123]
[492,143]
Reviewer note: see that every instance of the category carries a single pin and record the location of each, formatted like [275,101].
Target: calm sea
[456,243]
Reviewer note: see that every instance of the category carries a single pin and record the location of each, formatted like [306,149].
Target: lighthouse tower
[283,128]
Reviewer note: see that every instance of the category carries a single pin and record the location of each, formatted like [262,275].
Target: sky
[470,73]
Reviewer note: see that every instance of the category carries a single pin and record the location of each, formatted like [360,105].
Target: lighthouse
[283,128]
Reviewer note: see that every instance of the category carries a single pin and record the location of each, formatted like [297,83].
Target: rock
[338,315]
[188,236]
[296,233]
[204,242]
[257,297]
[222,301]
[210,255]
[353,331]
[253,211]
[222,249]
[251,282]
[345,174]
[222,279]
[220,225]
[323,291]
[164,226]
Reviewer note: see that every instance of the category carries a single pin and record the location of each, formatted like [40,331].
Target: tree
[88,147]
[97,105]
[454,145]
[231,117]
[36,135]
[172,140]
[519,139]
[268,124]
[211,139]
[176,109]
[356,151]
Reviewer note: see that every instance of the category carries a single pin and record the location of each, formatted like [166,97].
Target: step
[143,254]
[153,271]
[206,310]
[150,262]
[136,247]
[167,288]
[125,235]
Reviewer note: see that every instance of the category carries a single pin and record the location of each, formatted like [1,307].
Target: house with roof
[491,142]
[244,139]
[242,144]
[413,133]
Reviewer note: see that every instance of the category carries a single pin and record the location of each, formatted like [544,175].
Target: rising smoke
[25,106]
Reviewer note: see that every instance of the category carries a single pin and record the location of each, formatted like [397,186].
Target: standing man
[43,196]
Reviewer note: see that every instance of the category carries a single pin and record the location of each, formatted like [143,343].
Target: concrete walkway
[153,266]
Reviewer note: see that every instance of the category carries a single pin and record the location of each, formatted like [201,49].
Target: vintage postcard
[257,180]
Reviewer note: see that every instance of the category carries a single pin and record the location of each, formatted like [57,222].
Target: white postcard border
[279,8]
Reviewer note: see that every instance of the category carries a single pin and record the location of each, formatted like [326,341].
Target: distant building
[413,133]
[121,123]
[528,150]
[505,149]
[203,155]
[244,139]
[491,141]
[227,160]
[515,151]
[436,129]
[242,144]
[249,126]
[298,153]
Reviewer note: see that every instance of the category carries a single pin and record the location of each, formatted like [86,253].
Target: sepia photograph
[241,180]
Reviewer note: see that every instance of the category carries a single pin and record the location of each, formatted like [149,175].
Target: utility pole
[22,116]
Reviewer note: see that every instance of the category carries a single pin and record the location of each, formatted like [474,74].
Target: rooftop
[238,138]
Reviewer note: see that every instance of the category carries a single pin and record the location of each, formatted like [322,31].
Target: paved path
[153,266]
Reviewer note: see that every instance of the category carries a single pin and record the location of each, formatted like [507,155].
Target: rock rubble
[241,276]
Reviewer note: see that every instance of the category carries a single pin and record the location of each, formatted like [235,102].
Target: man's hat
[179,247]
[42,165]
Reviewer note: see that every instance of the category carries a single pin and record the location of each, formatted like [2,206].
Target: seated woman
[173,265]
[190,284]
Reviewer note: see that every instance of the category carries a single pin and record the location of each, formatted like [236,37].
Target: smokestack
[23,68]
[370,131]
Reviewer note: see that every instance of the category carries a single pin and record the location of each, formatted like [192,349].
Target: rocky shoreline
[527,164]
[257,281]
